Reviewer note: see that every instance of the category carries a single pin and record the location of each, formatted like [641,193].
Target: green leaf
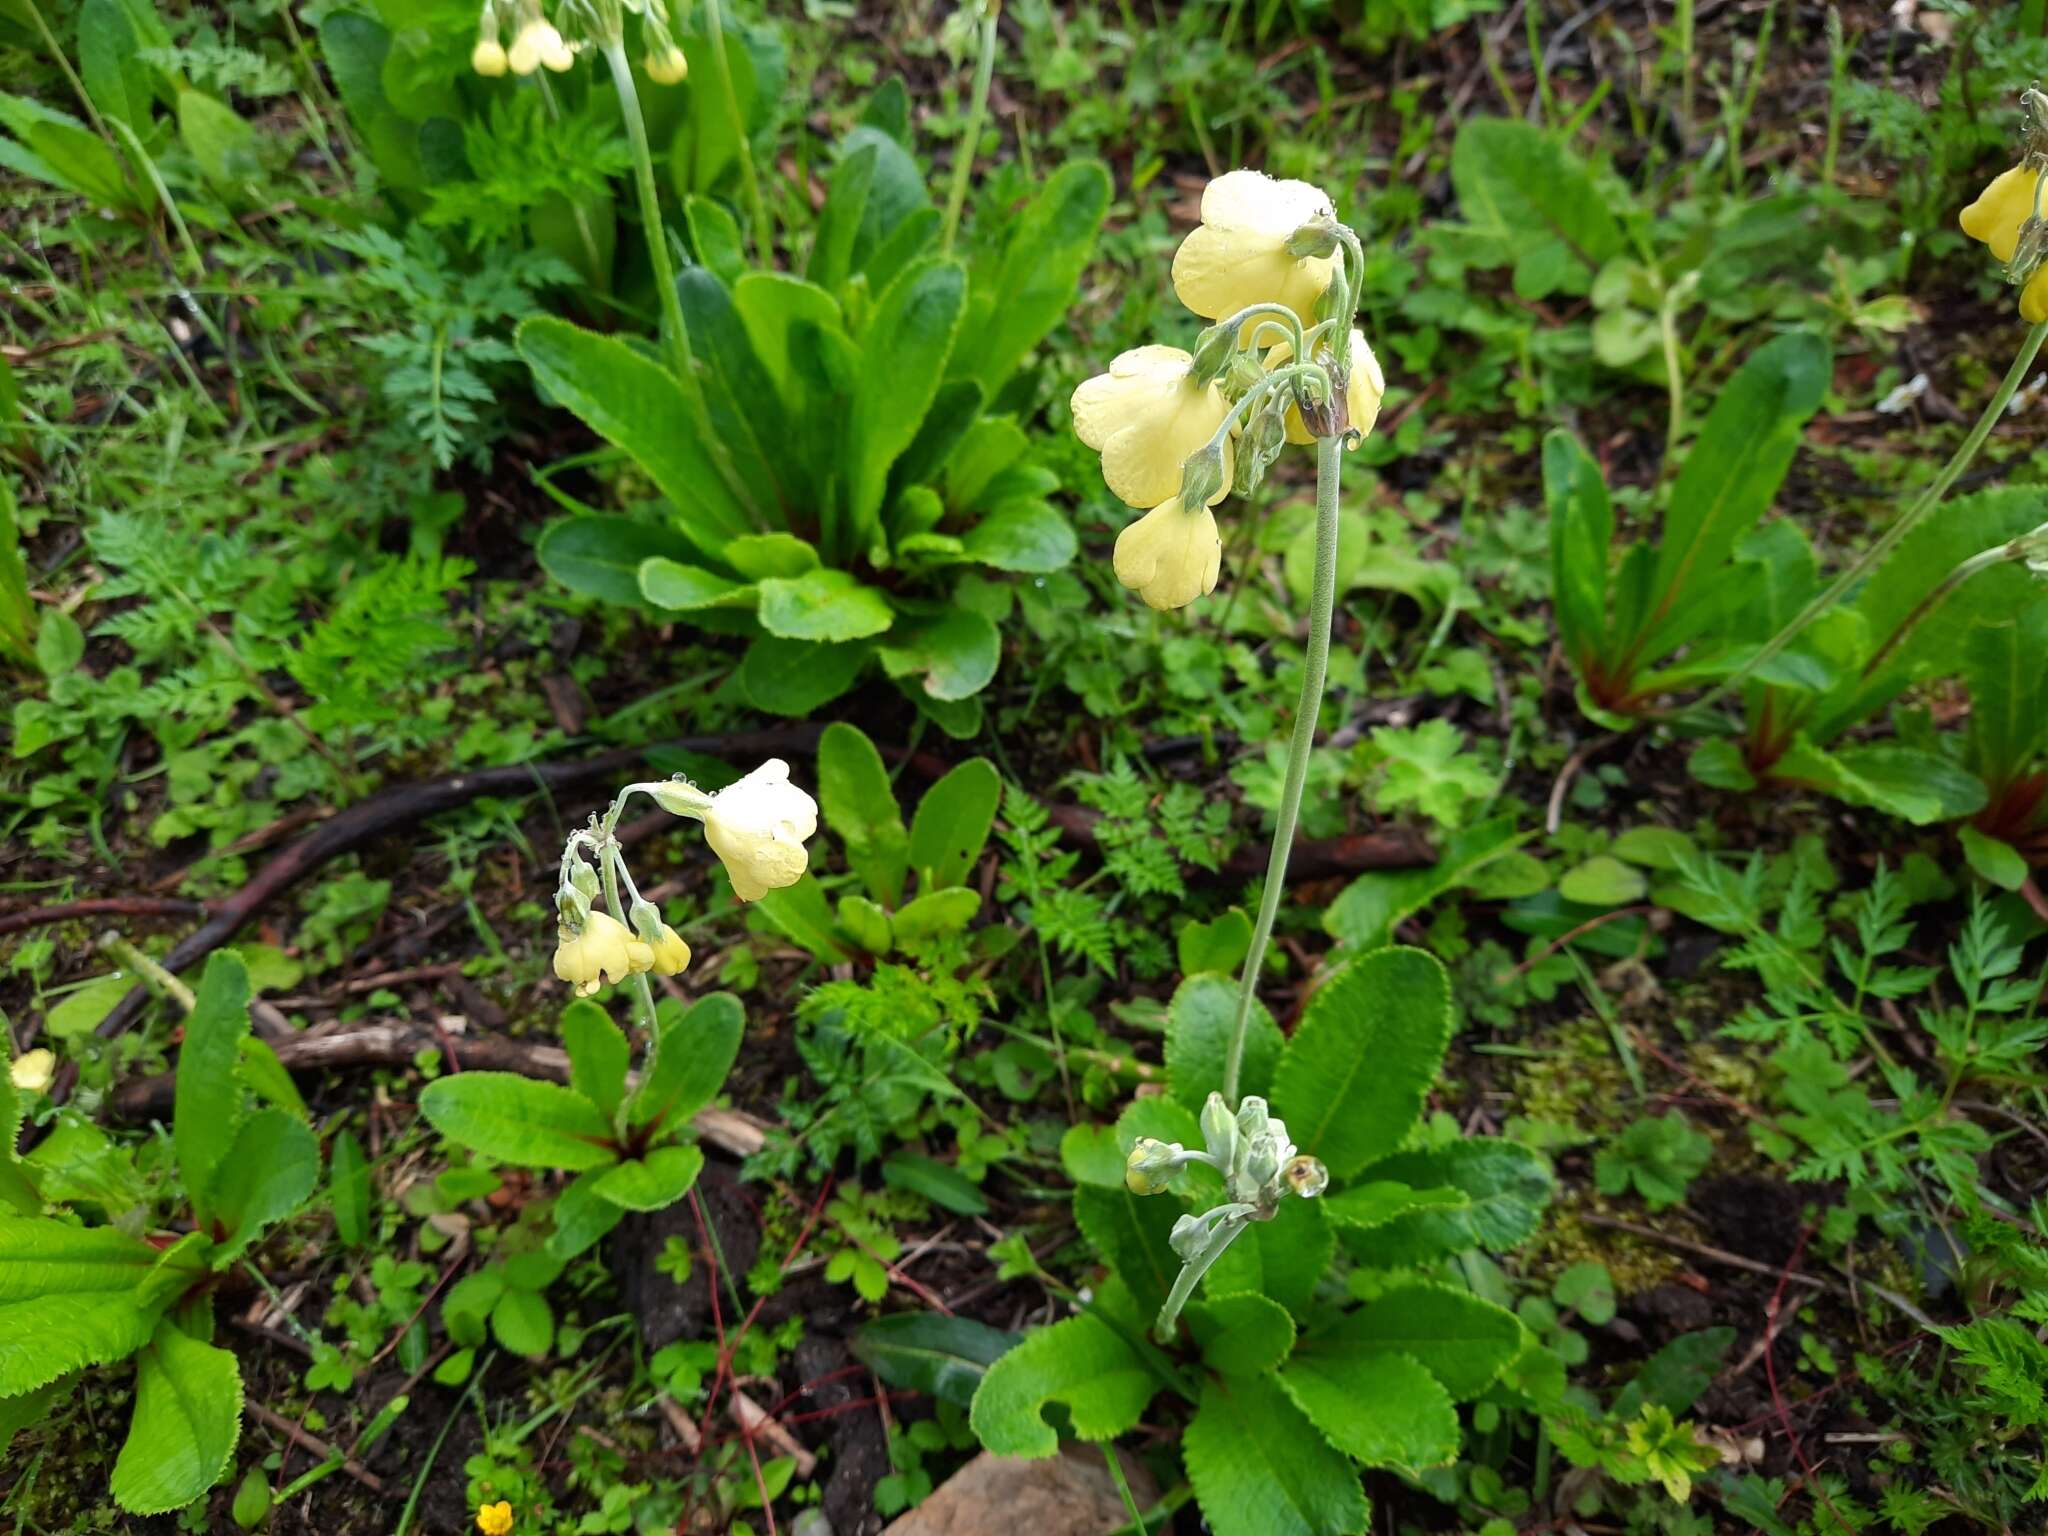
[1676,1376]
[108,58]
[859,804]
[654,1182]
[1366,1206]
[1080,1364]
[796,677]
[952,823]
[1518,186]
[188,1416]
[1241,1335]
[60,644]
[1260,1469]
[715,235]
[1465,1342]
[943,1357]
[1131,1234]
[1351,1081]
[903,351]
[823,605]
[2002,665]
[264,1075]
[523,1323]
[1218,946]
[348,1184]
[866,924]
[221,142]
[1033,287]
[1025,536]
[267,1174]
[1506,1188]
[17,612]
[1730,477]
[801,913]
[635,404]
[26,1410]
[942,1184]
[207,1100]
[599,1054]
[1385,1410]
[1916,786]
[67,1299]
[1994,861]
[582,1216]
[1199,1022]
[693,1055]
[603,557]
[956,653]
[735,385]
[1283,1258]
[1602,881]
[933,915]
[681,588]
[519,1120]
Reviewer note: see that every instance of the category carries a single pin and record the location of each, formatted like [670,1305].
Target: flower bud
[1219,1131]
[2028,250]
[1189,1236]
[488,58]
[1152,1165]
[1213,353]
[667,66]
[679,798]
[1317,238]
[1202,475]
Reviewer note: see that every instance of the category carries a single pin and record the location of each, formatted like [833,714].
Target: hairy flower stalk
[1178,433]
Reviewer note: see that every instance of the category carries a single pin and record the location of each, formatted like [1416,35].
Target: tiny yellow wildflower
[1170,556]
[1239,257]
[1995,218]
[495,1519]
[1145,417]
[33,1071]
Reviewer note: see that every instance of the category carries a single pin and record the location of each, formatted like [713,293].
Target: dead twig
[308,1441]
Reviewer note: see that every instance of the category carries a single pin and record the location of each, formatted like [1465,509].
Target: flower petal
[2000,209]
[1252,199]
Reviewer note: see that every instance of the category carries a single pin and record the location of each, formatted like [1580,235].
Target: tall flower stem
[1315,664]
[977,113]
[1907,521]
[757,209]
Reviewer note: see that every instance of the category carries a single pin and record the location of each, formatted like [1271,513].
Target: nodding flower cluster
[757,827]
[2007,214]
[540,42]
[1179,431]
[1260,1168]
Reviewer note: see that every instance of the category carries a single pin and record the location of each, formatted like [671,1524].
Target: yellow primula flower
[488,57]
[1995,218]
[1361,395]
[605,949]
[1239,256]
[495,1519]
[1145,416]
[538,44]
[1170,556]
[758,826]
[671,954]
[668,67]
[33,1071]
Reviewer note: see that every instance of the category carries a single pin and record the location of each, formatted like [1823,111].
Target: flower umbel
[1170,556]
[1145,417]
[1244,251]
[2007,217]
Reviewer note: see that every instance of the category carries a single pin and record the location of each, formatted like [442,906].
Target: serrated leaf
[1199,1022]
[1464,1341]
[652,1183]
[1261,1469]
[1241,1335]
[1506,1188]
[1384,1410]
[1352,1080]
[942,1357]
[67,1299]
[188,1416]
[1283,1258]
[1130,1233]
[267,1174]
[207,1099]
[1365,1206]
[694,1054]
[1083,1366]
[599,1054]
[519,1120]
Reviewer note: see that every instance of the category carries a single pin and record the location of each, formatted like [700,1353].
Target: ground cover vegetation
[1361,683]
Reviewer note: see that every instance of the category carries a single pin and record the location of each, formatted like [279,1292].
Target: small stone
[1071,1494]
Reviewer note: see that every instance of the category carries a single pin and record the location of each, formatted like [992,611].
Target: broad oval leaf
[519,1120]
[188,1416]
[1082,1365]
[207,1108]
[823,605]
[694,1051]
[267,1174]
[1506,1188]
[654,1182]
[942,1357]
[1241,1335]
[1352,1079]
[795,677]
[952,823]
[1464,1342]
[1383,1410]
[1199,1022]
[1261,1469]
[603,556]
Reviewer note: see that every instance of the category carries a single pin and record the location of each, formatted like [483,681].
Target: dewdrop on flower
[33,1071]
[1246,250]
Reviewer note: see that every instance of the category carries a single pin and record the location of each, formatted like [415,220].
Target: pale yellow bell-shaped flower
[33,1071]
[604,951]
[538,44]
[1145,417]
[667,66]
[671,954]
[1361,395]
[757,827]
[1239,257]
[1170,556]
[488,57]
[1995,218]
